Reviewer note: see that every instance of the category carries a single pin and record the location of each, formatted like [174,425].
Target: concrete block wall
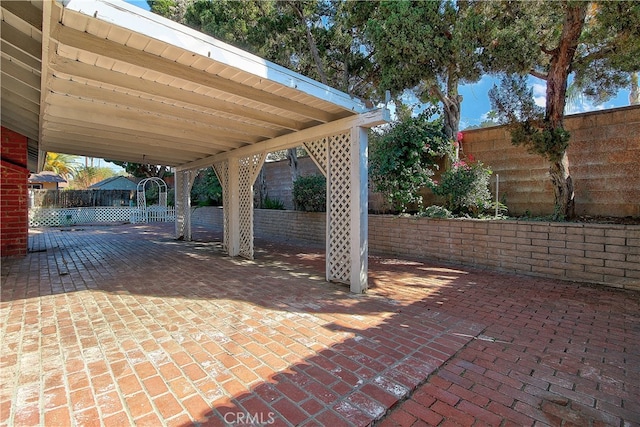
[271,223]
[592,253]
[604,154]
[13,194]
[295,225]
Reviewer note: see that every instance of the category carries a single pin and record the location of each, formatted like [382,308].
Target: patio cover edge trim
[367,120]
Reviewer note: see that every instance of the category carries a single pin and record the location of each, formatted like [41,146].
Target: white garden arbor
[103,78]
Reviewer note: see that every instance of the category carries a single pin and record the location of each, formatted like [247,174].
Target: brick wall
[592,253]
[604,154]
[13,194]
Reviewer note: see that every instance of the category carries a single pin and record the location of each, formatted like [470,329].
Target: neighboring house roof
[114,183]
[45,176]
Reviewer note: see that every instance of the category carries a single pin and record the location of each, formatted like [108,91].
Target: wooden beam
[25,75]
[20,89]
[162,124]
[95,114]
[25,11]
[295,139]
[20,56]
[114,133]
[14,99]
[140,86]
[20,40]
[231,128]
[63,146]
[118,52]
[24,114]
[16,123]
[123,140]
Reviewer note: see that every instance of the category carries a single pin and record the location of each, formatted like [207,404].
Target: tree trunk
[559,70]
[452,121]
[292,156]
[564,197]
[451,102]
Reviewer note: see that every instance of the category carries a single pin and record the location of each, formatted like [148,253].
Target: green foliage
[152,195]
[435,211]
[428,46]
[514,105]
[64,165]
[142,170]
[465,188]
[310,193]
[206,189]
[403,158]
[269,203]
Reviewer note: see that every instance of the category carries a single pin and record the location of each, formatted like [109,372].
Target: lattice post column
[359,202]
[222,171]
[232,211]
[338,246]
[249,168]
[184,182]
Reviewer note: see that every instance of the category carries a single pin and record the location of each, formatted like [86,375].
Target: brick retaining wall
[592,253]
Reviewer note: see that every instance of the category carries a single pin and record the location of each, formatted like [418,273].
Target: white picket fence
[56,217]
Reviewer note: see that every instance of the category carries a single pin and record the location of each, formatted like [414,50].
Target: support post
[233,213]
[184,182]
[359,206]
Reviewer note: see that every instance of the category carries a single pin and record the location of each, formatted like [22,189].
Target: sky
[476,105]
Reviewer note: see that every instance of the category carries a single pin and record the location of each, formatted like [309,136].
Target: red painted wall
[13,194]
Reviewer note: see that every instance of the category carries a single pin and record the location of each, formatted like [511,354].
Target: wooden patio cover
[103,78]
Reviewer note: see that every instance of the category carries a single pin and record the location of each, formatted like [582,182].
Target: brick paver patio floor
[123,325]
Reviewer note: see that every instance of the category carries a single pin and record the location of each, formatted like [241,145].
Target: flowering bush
[403,158]
[465,187]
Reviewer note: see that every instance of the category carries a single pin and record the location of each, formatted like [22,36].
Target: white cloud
[540,94]
[582,106]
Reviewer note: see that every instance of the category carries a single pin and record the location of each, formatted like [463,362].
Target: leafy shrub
[436,212]
[272,204]
[310,193]
[403,158]
[206,190]
[465,188]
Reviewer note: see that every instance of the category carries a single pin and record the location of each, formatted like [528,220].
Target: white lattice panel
[339,208]
[56,217]
[249,168]
[222,171]
[318,152]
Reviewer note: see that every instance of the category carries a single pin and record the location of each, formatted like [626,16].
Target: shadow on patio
[127,326]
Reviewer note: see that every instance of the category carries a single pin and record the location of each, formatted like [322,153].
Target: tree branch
[538,74]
